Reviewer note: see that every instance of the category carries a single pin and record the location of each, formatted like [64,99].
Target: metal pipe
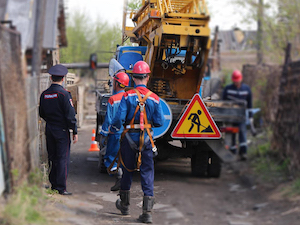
[84,65]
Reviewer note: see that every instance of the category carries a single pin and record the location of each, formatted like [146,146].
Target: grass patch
[270,169]
[49,191]
[291,190]
[266,162]
[260,151]
[26,204]
[295,189]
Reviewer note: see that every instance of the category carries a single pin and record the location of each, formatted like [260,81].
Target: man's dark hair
[120,85]
[140,76]
[57,78]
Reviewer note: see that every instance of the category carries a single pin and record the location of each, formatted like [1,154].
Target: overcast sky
[223,12]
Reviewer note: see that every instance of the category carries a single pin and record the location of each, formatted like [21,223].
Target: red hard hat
[122,78]
[236,76]
[141,67]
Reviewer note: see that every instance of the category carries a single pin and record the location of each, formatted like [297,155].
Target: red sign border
[174,133]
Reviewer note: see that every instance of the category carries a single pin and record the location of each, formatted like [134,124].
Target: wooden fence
[264,82]
[287,124]
[14,107]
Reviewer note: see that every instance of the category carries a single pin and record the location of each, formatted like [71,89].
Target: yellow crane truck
[173,37]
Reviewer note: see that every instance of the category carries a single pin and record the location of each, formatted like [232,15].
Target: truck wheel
[214,166]
[101,166]
[199,163]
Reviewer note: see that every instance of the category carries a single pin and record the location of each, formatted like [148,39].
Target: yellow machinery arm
[177,37]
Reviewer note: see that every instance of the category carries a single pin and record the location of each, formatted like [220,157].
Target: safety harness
[143,125]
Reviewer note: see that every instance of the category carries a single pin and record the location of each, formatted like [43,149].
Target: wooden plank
[188,15]
[144,22]
[141,10]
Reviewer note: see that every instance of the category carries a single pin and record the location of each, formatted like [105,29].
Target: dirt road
[180,198]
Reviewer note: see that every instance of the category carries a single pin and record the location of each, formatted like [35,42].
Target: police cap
[58,70]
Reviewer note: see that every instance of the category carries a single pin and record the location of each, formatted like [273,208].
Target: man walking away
[121,80]
[139,110]
[56,108]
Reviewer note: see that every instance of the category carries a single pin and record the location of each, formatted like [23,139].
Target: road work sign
[196,122]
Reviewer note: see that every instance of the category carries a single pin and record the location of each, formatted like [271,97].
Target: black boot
[146,217]
[123,202]
[118,176]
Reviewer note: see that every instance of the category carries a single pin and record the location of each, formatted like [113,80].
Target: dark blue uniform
[231,92]
[124,115]
[56,108]
[113,141]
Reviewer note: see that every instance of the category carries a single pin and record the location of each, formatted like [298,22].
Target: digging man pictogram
[195,120]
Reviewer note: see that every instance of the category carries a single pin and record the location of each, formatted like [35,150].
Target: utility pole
[260,14]
[37,50]
[285,71]
[215,53]
[39,24]
[125,4]
[3,5]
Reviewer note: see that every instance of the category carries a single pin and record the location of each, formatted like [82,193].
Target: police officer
[56,108]
[121,80]
[138,109]
[238,91]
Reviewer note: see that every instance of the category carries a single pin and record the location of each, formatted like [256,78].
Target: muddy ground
[180,197]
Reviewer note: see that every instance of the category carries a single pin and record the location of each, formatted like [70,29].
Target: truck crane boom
[177,37]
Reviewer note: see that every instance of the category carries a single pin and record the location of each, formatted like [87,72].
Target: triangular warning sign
[196,122]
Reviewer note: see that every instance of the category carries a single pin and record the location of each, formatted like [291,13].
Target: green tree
[280,25]
[134,4]
[105,40]
[78,48]
[85,37]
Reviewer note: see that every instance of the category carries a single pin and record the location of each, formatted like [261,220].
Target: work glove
[155,152]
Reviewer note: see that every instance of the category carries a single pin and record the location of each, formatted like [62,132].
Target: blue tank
[127,56]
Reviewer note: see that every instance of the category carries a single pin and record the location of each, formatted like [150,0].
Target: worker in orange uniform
[139,110]
[120,81]
[238,91]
